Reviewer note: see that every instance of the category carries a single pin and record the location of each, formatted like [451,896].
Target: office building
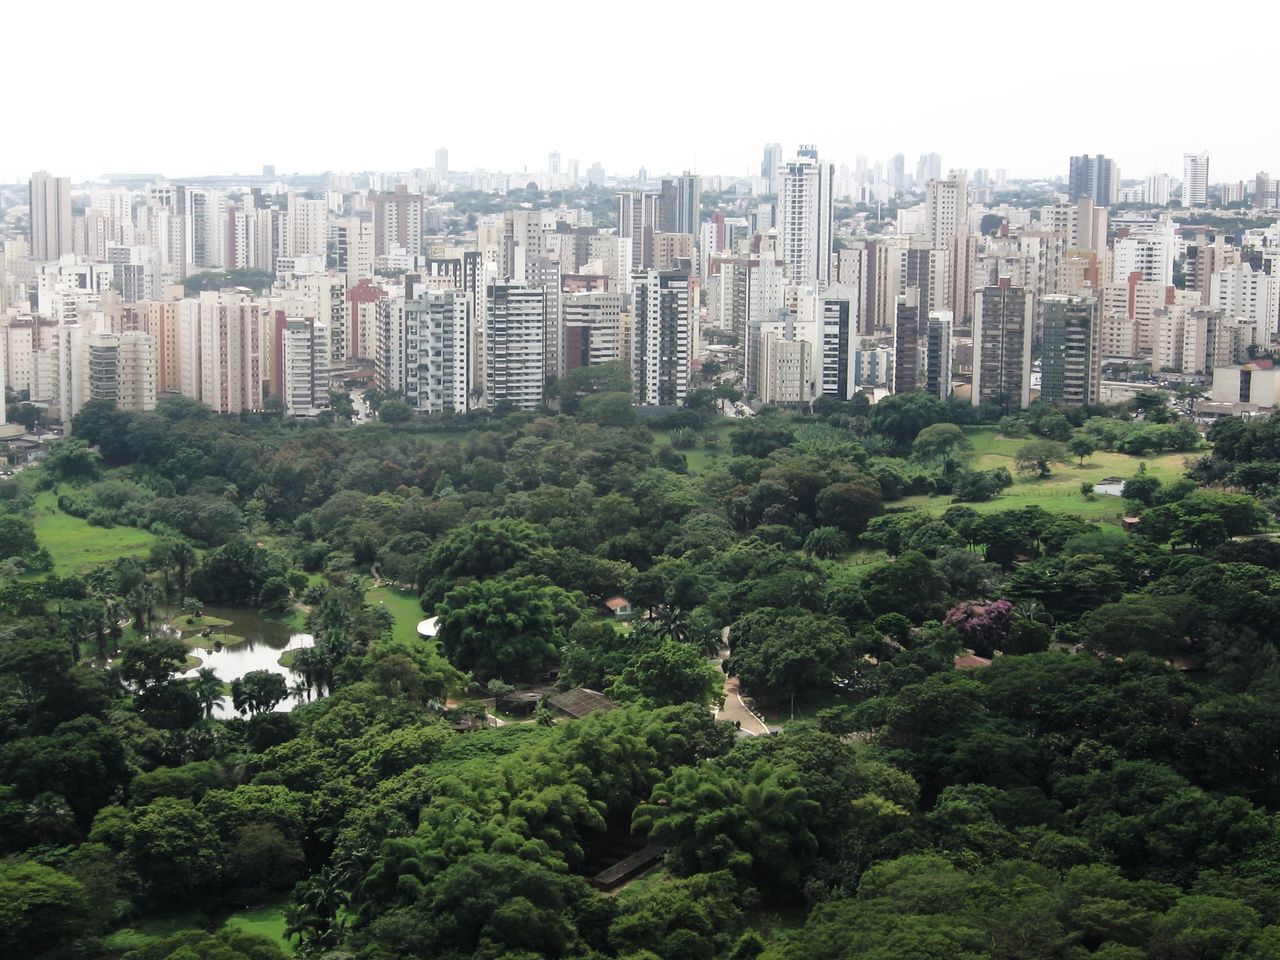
[1004,316]
[1071,366]
[770,165]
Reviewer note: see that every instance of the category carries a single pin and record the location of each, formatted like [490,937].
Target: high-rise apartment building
[804,217]
[639,217]
[424,350]
[1095,177]
[1156,189]
[663,337]
[514,344]
[1004,316]
[223,351]
[1071,363]
[1195,179]
[939,354]
[300,364]
[907,342]
[592,328]
[50,213]
[397,220]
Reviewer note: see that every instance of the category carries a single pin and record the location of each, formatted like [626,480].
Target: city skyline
[856,109]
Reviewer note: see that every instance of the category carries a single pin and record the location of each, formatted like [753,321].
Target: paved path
[733,709]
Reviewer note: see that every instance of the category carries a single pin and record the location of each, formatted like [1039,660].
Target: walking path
[734,710]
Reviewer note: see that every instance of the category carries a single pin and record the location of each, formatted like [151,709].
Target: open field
[74,544]
[1060,491]
[700,456]
[404,609]
[266,921]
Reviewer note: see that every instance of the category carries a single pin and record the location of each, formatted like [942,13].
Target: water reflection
[265,641]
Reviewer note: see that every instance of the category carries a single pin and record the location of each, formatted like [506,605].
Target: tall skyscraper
[1095,177]
[1195,179]
[1071,361]
[662,337]
[1003,321]
[442,162]
[553,163]
[928,167]
[898,173]
[770,165]
[804,217]
[50,210]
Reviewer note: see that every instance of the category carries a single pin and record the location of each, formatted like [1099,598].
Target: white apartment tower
[514,338]
[804,217]
[1195,179]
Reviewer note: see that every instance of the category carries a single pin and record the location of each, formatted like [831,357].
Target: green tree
[41,910]
[395,411]
[1038,456]
[849,506]
[504,627]
[941,442]
[783,655]
[1081,445]
[175,850]
[258,691]
[668,674]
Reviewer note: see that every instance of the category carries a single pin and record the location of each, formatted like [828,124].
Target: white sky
[314,85]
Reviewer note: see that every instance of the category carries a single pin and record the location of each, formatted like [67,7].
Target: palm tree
[208,689]
[300,691]
[141,602]
[1033,610]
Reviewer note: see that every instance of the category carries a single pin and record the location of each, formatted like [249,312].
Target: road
[733,709]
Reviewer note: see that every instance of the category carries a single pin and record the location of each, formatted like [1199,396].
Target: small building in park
[581,702]
[618,606]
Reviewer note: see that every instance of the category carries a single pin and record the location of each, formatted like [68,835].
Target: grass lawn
[266,921]
[75,545]
[295,617]
[700,456]
[212,642]
[1060,491]
[404,609]
[185,624]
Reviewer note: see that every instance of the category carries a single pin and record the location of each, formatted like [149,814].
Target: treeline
[1106,786]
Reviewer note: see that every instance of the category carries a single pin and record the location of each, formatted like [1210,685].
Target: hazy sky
[161,87]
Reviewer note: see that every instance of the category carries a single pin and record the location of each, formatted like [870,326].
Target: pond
[264,641]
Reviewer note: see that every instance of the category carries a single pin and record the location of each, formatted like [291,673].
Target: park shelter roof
[579,702]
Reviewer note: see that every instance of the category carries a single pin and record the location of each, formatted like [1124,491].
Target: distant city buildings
[429,285]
